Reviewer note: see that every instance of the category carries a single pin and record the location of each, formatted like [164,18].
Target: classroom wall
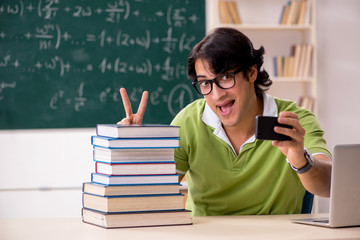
[42,170]
[338,41]
[338,70]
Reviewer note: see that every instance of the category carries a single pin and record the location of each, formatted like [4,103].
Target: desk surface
[220,227]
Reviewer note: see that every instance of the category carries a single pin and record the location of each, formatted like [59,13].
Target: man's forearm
[318,179]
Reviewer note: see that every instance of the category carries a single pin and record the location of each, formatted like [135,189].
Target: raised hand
[132,118]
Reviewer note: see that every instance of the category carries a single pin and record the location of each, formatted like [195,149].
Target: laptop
[345,190]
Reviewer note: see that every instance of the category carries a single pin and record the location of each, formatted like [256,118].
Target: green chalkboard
[62,62]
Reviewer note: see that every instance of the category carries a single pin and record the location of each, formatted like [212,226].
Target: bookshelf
[262,21]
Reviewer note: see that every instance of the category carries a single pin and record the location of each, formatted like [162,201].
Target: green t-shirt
[257,181]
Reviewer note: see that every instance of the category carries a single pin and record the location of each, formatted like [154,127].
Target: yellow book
[223,12]
[296,60]
[307,63]
[293,12]
[234,13]
[291,66]
[286,66]
[307,102]
[285,15]
[297,11]
[301,60]
[302,13]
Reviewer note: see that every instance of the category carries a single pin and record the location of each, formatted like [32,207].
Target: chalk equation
[175,99]
[51,36]
[112,11]
[68,59]
[168,69]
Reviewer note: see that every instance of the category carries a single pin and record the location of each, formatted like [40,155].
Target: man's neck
[240,133]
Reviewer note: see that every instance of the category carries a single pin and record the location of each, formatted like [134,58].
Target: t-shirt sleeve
[314,137]
[181,156]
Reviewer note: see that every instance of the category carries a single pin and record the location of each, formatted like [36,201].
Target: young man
[228,170]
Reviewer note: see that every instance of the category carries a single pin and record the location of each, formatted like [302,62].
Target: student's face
[230,105]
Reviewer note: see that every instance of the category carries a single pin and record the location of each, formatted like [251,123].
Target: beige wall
[338,72]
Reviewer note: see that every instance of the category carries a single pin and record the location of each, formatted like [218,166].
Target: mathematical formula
[73,55]
[169,70]
[51,36]
[176,99]
[112,12]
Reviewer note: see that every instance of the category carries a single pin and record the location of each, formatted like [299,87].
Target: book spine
[135,148]
[132,185]
[135,163]
[97,132]
[169,147]
[130,176]
[148,211]
[275,67]
[137,195]
[96,167]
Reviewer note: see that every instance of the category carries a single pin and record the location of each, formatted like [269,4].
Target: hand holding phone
[264,129]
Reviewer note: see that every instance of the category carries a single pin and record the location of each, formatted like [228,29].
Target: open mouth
[226,108]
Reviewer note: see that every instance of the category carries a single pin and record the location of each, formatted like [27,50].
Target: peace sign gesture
[132,118]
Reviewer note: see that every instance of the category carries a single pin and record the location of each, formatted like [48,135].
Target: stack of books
[135,182]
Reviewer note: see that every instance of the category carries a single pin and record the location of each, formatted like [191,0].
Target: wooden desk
[220,227]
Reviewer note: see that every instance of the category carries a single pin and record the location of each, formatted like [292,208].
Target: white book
[134,179]
[297,59]
[136,168]
[136,219]
[133,203]
[137,130]
[307,63]
[118,155]
[302,60]
[139,189]
[110,142]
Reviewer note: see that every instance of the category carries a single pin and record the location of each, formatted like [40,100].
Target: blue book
[110,142]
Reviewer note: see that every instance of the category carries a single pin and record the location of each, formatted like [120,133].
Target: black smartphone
[264,129]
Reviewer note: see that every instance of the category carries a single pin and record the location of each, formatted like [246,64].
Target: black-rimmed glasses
[223,81]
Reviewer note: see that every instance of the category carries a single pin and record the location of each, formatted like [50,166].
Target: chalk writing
[6,85]
[176,99]
[68,59]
